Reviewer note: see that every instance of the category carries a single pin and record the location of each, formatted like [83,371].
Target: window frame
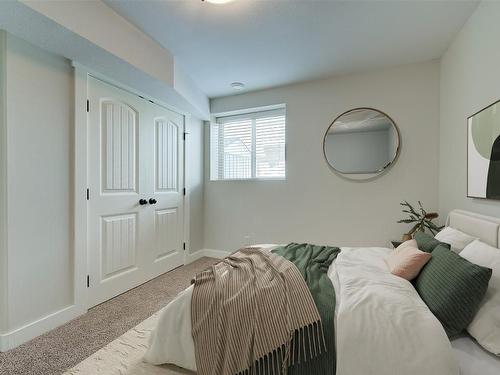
[253,114]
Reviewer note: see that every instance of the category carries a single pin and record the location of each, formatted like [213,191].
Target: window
[247,146]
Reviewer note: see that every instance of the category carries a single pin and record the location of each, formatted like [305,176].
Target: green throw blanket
[313,262]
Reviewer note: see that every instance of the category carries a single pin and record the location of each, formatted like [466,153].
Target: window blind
[246,146]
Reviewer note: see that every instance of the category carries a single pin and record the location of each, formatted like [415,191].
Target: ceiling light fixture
[237,85]
[217,1]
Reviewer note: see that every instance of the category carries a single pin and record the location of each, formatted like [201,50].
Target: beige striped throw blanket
[251,313]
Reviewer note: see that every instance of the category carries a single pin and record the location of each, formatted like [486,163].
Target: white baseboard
[218,254]
[31,330]
[18,336]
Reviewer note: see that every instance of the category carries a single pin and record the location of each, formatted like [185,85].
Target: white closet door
[165,189]
[135,178]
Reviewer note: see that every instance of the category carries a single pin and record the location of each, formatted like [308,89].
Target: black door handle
[142,202]
[152,201]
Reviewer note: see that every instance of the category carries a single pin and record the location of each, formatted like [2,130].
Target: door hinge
[184,136]
[88,194]
[184,246]
[88,281]
[88,105]
[184,191]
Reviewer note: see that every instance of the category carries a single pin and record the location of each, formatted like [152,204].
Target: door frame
[80,177]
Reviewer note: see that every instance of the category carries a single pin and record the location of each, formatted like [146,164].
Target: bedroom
[430,69]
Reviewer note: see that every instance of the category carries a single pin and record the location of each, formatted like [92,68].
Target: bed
[369,302]
[472,358]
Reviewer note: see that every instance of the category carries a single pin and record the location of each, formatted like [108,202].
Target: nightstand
[396,243]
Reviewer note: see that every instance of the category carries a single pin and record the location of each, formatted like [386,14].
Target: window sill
[250,179]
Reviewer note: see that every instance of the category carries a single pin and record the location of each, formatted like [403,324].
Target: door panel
[167,229]
[119,140]
[135,152]
[166,155]
[167,188]
[119,246]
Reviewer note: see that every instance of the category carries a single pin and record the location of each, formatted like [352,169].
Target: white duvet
[382,325]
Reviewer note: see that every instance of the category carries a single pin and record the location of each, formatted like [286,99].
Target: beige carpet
[61,349]
[124,355]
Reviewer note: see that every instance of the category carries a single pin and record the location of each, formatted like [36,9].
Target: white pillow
[457,240]
[485,327]
[409,243]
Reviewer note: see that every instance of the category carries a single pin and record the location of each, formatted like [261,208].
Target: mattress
[473,359]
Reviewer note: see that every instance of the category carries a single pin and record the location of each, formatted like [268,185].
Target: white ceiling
[271,43]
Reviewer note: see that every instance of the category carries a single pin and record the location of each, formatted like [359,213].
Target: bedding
[313,263]
[382,326]
[485,327]
[407,260]
[405,244]
[473,359]
[457,239]
[251,302]
[428,243]
[452,287]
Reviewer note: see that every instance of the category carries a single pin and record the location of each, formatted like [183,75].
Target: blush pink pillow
[406,260]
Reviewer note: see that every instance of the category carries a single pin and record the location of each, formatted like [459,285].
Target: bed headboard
[486,228]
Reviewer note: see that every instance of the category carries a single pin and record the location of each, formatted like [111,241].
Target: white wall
[36,156]
[3,189]
[39,105]
[195,181]
[314,204]
[101,25]
[470,81]
[185,86]
[92,34]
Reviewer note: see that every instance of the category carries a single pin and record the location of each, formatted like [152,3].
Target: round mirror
[361,143]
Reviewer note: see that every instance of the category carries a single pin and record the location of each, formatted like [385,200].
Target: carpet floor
[56,351]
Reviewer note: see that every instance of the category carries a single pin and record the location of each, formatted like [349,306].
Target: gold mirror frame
[357,176]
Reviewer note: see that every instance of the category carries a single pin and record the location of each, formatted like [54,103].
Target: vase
[406,237]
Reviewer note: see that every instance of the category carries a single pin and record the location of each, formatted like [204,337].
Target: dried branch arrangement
[421,218]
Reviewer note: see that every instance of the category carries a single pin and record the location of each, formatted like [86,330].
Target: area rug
[123,356]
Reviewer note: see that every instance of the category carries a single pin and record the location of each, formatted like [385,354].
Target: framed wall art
[483,153]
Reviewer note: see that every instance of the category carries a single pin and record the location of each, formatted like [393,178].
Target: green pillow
[427,243]
[452,287]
